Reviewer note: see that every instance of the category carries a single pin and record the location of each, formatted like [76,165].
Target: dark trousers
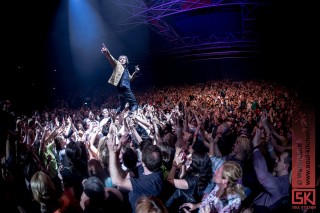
[126,96]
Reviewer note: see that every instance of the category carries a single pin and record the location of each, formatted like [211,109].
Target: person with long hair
[121,78]
[226,196]
[44,192]
[191,185]
[150,204]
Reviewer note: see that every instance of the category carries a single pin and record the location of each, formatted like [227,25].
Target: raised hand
[137,70]
[113,146]
[257,136]
[104,49]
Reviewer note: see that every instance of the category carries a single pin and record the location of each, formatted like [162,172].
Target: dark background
[52,47]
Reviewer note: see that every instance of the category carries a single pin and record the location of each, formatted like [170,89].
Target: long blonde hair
[150,204]
[232,171]
[44,192]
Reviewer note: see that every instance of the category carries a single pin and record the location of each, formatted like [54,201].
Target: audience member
[96,198]
[45,194]
[150,204]
[150,182]
[226,195]
[276,186]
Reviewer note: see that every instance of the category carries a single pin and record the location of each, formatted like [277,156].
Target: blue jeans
[126,96]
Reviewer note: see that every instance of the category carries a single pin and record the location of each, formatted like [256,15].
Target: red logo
[304,197]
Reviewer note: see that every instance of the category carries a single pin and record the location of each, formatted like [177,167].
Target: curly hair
[233,172]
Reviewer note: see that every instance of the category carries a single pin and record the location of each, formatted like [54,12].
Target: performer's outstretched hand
[137,70]
[104,49]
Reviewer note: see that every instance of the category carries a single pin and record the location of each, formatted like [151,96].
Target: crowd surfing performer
[121,78]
